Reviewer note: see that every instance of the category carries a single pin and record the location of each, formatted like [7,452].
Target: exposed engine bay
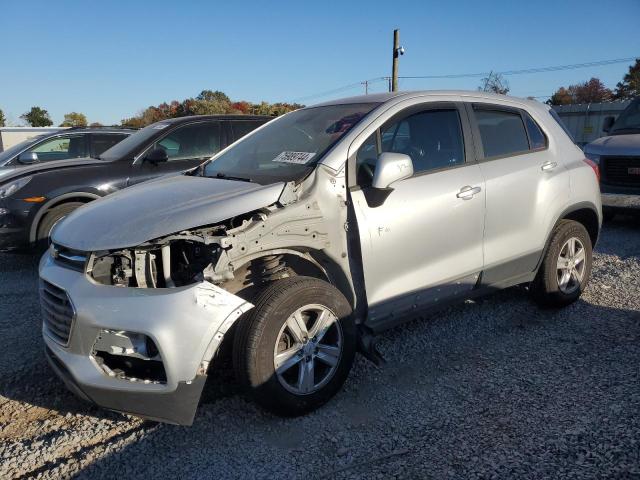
[242,252]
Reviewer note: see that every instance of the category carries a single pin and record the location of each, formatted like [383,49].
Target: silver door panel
[423,236]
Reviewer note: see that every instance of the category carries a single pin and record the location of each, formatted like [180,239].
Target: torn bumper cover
[135,350]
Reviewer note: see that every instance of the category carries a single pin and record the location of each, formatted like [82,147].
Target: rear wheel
[295,349]
[52,217]
[566,267]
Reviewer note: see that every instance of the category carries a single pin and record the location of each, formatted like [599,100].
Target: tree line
[591,91]
[210,102]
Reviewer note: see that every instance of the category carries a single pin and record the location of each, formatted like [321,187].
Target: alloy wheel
[308,349]
[571,265]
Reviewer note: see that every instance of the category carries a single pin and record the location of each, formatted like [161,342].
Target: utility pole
[397,51]
[366,87]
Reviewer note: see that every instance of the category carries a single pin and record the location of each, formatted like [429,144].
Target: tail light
[594,165]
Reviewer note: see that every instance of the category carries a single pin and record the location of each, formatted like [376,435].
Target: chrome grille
[621,171]
[57,311]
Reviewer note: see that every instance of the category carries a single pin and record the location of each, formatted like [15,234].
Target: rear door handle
[548,166]
[467,192]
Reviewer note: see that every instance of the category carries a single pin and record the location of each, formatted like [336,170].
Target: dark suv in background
[34,197]
[64,144]
[618,155]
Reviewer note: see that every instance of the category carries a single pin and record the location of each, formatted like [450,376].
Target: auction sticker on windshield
[299,158]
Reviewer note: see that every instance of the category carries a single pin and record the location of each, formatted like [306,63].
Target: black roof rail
[109,127]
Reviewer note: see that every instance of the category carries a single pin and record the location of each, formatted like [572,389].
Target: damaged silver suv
[298,244]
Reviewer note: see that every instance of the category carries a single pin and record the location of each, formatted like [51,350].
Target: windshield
[629,119]
[11,151]
[129,145]
[288,148]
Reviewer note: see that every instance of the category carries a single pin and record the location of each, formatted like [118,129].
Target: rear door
[526,185]
[424,243]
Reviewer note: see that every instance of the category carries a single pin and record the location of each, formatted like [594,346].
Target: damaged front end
[151,318]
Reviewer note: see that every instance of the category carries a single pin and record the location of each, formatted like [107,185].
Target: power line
[340,89]
[574,66]
[530,70]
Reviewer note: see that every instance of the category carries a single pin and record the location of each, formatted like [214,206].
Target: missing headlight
[174,264]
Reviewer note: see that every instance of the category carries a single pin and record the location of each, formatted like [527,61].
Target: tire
[555,287]
[264,331]
[53,216]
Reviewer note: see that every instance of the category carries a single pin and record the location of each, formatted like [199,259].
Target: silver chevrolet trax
[298,244]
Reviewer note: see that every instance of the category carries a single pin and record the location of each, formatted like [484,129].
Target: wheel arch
[585,213]
[84,197]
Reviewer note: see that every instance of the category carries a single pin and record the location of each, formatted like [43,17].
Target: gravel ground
[490,389]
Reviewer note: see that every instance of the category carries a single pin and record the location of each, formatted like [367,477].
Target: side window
[61,148]
[194,141]
[433,139]
[366,160]
[101,142]
[239,128]
[537,139]
[502,132]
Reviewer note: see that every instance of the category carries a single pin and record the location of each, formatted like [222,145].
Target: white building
[9,136]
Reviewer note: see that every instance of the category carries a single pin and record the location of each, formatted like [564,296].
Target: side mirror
[607,124]
[27,158]
[157,155]
[391,168]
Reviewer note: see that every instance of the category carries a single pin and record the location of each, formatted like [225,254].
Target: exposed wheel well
[587,217]
[249,277]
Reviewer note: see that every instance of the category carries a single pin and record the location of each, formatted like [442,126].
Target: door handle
[467,192]
[548,166]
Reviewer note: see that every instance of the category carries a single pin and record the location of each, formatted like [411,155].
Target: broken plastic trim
[129,356]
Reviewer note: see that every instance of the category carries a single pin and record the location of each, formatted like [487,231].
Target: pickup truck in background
[618,155]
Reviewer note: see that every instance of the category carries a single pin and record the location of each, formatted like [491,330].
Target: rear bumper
[621,201]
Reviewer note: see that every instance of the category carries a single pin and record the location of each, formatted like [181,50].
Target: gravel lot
[490,389]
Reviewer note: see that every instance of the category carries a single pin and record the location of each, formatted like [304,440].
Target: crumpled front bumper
[187,324]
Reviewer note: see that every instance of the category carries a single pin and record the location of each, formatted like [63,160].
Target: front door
[424,243]
[187,146]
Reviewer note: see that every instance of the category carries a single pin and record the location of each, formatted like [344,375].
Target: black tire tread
[544,287]
[251,327]
[53,215]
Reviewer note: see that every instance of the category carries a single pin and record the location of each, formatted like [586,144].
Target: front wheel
[295,349]
[50,219]
[566,267]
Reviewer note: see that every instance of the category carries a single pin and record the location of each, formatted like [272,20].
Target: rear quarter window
[537,138]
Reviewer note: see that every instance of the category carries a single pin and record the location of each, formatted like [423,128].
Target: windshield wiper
[231,177]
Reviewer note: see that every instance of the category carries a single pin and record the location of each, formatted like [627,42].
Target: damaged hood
[157,208]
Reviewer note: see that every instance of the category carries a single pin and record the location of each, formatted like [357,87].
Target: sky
[109,60]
